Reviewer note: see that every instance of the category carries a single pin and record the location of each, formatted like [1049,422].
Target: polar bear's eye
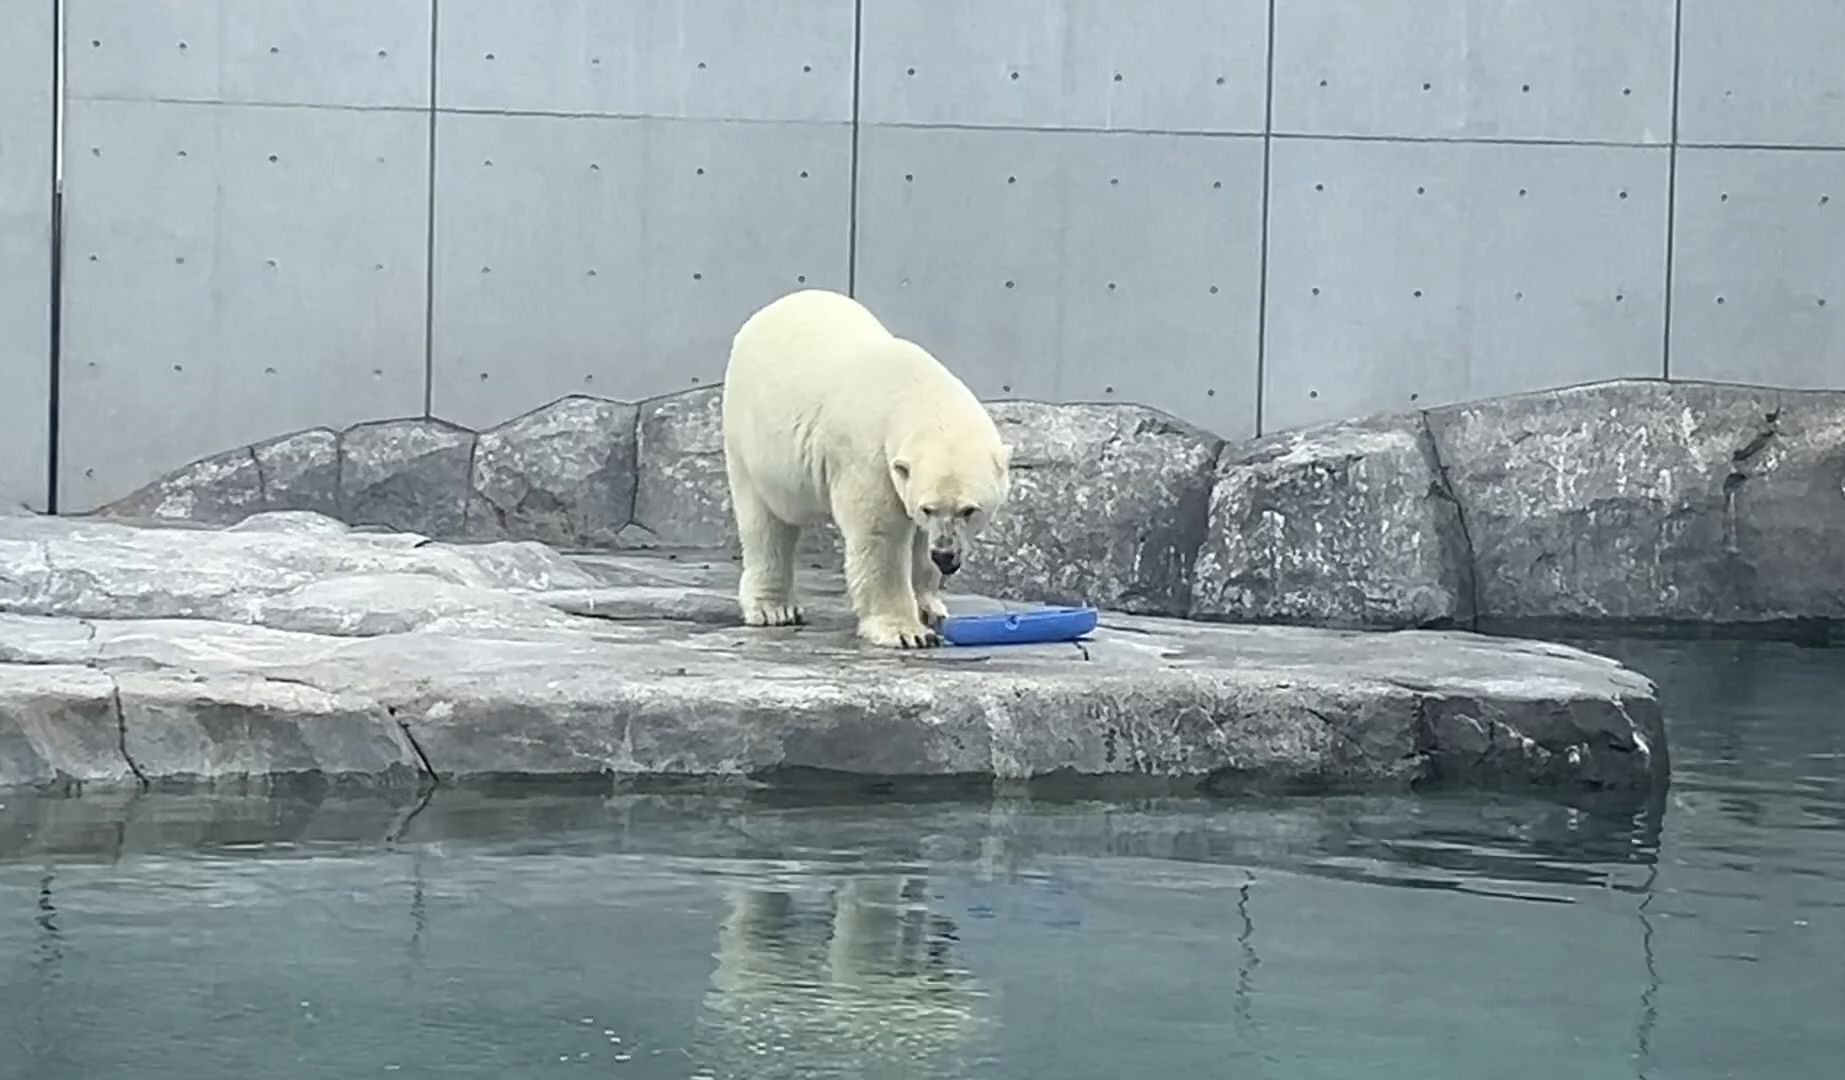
[931,510]
[968,511]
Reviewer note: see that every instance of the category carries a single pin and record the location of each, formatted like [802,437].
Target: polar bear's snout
[949,534]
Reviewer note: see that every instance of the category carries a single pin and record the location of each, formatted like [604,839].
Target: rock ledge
[291,644]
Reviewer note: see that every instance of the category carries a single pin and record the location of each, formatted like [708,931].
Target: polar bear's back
[819,360]
[816,386]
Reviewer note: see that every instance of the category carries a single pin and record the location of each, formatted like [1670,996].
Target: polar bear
[827,413]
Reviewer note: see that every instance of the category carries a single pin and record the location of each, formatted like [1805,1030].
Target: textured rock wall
[1347,525]
[1107,507]
[1653,502]
[1635,502]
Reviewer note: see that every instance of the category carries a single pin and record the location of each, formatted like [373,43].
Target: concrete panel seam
[1469,140]
[1462,140]
[1678,67]
[572,114]
[55,360]
[1807,148]
[1268,156]
[429,227]
[315,106]
[1074,129]
[858,62]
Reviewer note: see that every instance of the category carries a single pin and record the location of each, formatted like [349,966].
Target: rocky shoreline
[291,645]
[413,602]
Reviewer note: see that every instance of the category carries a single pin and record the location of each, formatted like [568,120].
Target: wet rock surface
[294,645]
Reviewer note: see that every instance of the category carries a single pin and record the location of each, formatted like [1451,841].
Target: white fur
[827,414]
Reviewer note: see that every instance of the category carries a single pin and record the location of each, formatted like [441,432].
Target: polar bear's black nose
[945,561]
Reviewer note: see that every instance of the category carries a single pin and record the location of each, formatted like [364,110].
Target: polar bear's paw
[891,632]
[773,613]
[931,610]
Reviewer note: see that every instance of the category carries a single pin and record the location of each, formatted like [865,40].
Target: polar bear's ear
[1004,457]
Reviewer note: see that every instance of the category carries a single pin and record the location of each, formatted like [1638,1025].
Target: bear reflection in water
[862,974]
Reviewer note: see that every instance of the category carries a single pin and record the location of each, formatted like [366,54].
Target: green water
[551,935]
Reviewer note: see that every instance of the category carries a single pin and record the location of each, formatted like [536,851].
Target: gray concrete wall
[27,56]
[1255,214]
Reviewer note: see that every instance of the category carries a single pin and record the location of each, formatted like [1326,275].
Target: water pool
[536,934]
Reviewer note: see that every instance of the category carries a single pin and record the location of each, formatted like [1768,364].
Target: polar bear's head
[951,492]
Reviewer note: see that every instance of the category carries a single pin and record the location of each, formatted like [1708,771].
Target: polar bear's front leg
[878,558]
[766,592]
[927,581]
[878,580]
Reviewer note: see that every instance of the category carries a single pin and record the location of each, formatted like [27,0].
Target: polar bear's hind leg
[766,592]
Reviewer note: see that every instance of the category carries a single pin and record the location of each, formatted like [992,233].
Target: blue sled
[1046,624]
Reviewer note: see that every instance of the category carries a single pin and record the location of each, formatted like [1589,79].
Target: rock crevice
[121,719]
[1443,488]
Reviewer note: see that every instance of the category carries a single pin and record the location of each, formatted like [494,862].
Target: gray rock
[36,639]
[183,729]
[25,563]
[301,471]
[682,497]
[291,521]
[1631,502]
[367,605]
[218,490]
[1107,508]
[407,474]
[563,474]
[1347,524]
[294,472]
[58,728]
[106,570]
[1648,502]
[263,653]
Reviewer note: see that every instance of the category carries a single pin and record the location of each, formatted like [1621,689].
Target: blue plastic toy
[1046,624]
